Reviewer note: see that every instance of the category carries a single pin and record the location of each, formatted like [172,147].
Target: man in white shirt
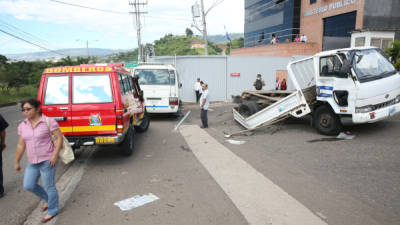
[303,38]
[197,88]
[204,103]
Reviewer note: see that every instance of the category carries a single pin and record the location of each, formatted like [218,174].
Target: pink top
[38,142]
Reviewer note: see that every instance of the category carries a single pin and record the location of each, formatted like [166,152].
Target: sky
[57,26]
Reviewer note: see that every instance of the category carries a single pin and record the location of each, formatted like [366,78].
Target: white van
[161,87]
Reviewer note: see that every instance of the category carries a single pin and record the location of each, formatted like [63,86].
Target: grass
[16,95]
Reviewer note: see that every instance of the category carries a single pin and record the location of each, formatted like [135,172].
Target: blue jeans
[48,192]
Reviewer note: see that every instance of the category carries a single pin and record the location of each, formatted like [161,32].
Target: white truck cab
[358,85]
[354,85]
[161,87]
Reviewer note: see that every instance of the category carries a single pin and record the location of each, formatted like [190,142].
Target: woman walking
[35,137]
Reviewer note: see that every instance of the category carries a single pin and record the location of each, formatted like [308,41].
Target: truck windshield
[371,64]
[154,77]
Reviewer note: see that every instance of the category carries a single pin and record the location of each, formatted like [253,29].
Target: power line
[19,38]
[117,12]
[87,7]
[22,32]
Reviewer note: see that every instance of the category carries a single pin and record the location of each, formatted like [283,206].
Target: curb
[8,104]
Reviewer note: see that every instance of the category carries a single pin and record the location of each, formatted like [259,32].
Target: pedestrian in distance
[197,88]
[3,126]
[277,84]
[201,89]
[204,103]
[303,38]
[35,137]
[259,83]
[283,84]
[297,39]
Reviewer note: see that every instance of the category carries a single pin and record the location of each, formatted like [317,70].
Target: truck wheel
[248,108]
[326,121]
[144,125]
[126,146]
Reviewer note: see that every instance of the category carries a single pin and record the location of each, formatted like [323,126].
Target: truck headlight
[364,109]
[397,100]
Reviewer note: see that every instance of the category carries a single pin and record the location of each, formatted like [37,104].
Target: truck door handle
[63,108]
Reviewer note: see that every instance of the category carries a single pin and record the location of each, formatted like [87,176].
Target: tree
[394,54]
[189,32]
[3,60]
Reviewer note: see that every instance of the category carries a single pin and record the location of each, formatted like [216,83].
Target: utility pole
[87,45]
[137,4]
[203,15]
[195,13]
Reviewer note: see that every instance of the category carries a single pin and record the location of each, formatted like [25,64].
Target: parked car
[161,87]
[94,104]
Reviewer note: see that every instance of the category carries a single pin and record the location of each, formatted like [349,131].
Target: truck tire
[126,147]
[248,108]
[144,125]
[326,121]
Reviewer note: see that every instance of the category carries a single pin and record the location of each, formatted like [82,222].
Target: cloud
[163,16]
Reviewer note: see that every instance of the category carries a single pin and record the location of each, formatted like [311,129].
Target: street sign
[131,64]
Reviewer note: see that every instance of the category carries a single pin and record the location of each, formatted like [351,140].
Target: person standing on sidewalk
[3,126]
[204,103]
[35,136]
[197,88]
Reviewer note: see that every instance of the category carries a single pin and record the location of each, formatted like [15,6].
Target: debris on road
[235,142]
[346,135]
[182,120]
[136,201]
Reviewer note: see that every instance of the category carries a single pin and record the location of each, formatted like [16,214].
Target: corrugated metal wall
[216,72]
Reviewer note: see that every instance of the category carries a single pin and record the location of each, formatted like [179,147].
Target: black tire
[248,108]
[326,121]
[126,147]
[144,125]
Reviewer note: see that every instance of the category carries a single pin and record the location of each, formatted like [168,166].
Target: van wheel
[126,146]
[144,125]
[326,121]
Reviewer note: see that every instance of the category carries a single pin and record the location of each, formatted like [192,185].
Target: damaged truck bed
[260,108]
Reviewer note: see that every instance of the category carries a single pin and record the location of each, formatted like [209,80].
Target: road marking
[65,187]
[257,198]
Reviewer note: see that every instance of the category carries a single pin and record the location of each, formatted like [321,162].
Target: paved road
[323,180]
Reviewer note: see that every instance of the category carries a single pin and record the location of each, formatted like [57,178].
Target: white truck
[355,85]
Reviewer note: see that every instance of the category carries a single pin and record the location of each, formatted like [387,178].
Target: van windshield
[371,64]
[154,77]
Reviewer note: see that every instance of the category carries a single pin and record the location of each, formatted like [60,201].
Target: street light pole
[203,15]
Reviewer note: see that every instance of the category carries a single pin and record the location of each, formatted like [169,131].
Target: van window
[57,91]
[153,76]
[172,77]
[91,89]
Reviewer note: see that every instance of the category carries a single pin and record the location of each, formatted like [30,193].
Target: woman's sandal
[44,208]
[45,220]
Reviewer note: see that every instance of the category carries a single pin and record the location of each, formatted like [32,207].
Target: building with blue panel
[265,18]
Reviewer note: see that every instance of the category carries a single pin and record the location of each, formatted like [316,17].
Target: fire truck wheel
[144,125]
[127,144]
